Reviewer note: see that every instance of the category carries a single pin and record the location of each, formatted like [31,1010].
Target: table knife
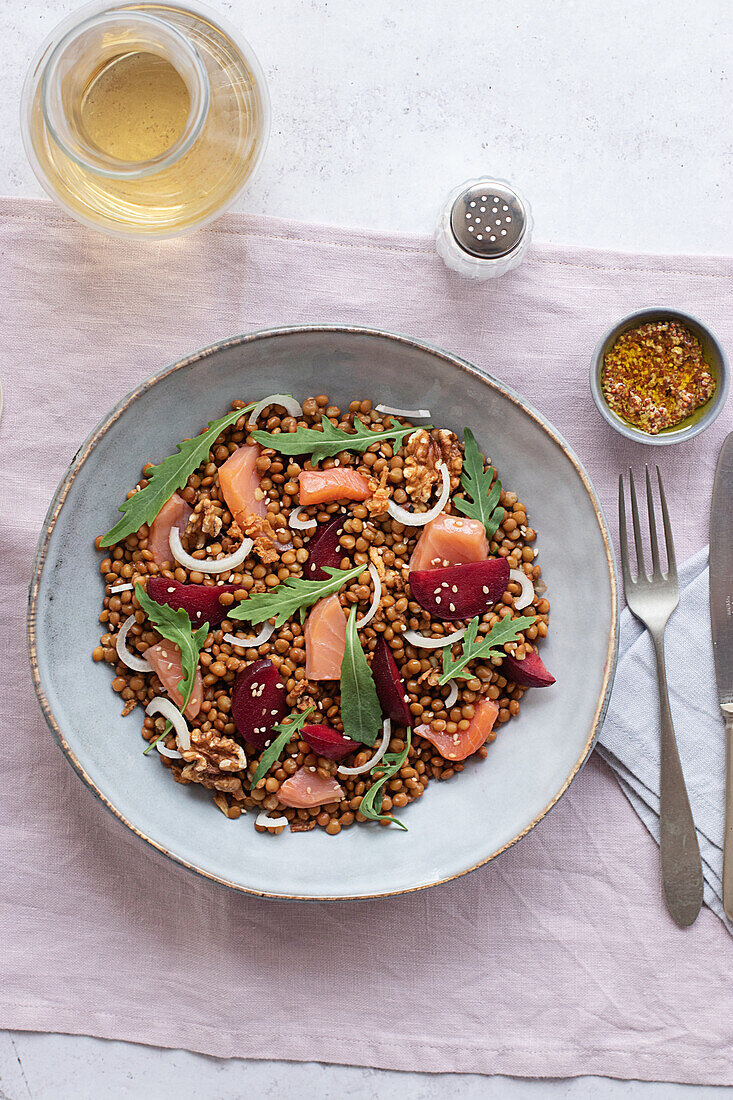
[721,621]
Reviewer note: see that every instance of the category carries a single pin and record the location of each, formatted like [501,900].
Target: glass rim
[92,157]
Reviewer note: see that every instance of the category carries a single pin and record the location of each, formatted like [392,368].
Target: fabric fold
[629,740]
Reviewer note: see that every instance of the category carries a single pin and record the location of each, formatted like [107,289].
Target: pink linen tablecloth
[558,958]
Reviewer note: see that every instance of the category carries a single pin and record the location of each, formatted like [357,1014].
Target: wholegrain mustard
[655,376]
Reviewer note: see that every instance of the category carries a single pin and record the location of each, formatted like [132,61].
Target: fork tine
[671,562]
[641,568]
[656,569]
[623,538]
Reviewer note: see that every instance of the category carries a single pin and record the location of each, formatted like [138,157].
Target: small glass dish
[713,354]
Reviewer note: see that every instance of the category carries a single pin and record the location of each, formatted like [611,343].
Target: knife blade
[721,624]
[721,572]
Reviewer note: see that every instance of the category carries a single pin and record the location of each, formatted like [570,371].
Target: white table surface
[610,117]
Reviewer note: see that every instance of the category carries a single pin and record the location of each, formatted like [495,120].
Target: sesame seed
[485,591]
[454,588]
[437,599]
[452,606]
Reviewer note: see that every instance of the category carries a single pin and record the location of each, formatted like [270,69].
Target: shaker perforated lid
[488,219]
[484,228]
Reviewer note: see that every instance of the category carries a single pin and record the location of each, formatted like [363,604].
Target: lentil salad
[332,518]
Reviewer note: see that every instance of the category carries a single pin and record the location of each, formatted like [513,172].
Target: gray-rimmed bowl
[458,825]
[713,354]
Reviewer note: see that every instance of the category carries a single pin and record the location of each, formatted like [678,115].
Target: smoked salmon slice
[457,746]
[338,483]
[306,788]
[325,638]
[174,513]
[450,540]
[165,660]
[239,481]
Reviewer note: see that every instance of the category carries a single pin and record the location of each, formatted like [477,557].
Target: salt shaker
[484,229]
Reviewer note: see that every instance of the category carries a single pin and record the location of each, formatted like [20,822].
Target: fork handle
[681,864]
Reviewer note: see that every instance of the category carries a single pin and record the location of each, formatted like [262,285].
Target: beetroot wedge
[530,672]
[328,742]
[324,549]
[461,591]
[199,601]
[258,702]
[389,684]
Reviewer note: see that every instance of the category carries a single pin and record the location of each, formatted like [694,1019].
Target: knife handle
[728,835]
[681,864]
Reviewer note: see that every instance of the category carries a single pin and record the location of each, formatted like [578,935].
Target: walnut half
[205,523]
[212,761]
[424,450]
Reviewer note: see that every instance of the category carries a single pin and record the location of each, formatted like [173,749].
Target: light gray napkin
[629,740]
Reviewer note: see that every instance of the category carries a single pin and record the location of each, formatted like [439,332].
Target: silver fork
[652,599]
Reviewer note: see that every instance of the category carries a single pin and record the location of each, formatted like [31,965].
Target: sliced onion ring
[254,639]
[221,565]
[411,414]
[172,754]
[295,523]
[419,519]
[137,664]
[270,822]
[285,400]
[525,597]
[159,705]
[386,735]
[422,642]
[367,618]
[452,697]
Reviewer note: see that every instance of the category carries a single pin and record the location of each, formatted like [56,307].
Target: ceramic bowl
[713,354]
[458,825]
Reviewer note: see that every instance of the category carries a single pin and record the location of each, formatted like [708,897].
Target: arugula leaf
[360,709]
[168,476]
[476,483]
[176,627]
[390,764]
[273,750]
[283,601]
[506,630]
[331,441]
